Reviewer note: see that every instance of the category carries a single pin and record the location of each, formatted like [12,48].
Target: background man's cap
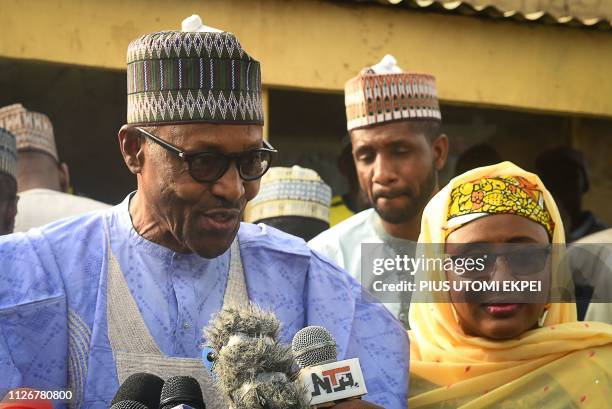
[294,191]
[33,130]
[8,153]
[384,93]
[200,74]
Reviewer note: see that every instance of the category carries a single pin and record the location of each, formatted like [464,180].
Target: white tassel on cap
[193,24]
[388,65]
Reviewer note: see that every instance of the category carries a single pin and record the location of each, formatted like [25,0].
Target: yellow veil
[564,364]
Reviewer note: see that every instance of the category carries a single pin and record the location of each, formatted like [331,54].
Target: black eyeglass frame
[188,157]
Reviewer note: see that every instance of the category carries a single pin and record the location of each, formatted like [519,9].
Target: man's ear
[132,147]
[64,177]
[440,150]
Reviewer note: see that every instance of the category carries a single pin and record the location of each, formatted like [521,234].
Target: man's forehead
[400,132]
[208,135]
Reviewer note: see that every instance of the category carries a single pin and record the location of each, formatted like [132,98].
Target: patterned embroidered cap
[33,130]
[497,195]
[294,191]
[8,153]
[200,75]
[384,93]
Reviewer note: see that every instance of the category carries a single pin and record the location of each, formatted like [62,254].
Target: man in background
[42,179]
[476,156]
[294,200]
[564,173]
[353,201]
[393,119]
[8,183]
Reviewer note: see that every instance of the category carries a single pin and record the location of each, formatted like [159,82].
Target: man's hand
[357,404]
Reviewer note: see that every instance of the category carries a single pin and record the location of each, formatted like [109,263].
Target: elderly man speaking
[88,301]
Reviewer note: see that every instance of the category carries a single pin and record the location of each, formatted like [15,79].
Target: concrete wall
[316,44]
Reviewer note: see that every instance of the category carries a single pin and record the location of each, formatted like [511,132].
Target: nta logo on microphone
[333,380]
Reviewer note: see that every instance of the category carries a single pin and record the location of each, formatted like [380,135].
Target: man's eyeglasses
[522,262]
[207,167]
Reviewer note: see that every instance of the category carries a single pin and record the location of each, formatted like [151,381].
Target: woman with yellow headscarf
[503,355]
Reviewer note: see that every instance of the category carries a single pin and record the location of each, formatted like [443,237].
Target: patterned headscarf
[498,195]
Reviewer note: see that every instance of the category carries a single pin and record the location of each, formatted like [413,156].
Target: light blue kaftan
[53,324]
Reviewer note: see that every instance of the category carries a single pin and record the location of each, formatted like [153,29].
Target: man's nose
[383,172]
[230,185]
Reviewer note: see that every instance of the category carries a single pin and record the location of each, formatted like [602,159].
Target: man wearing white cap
[90,301]
[8,182]
[393,118]
[43,180]
[294,200]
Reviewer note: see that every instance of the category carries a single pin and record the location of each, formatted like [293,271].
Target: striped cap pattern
[294,191]
[33,130]
[372,99]
[8,153]
[176,76]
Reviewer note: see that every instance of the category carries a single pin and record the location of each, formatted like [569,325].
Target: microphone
[128,404]
[181,392]
[327,380]
[141,388]
[253,370]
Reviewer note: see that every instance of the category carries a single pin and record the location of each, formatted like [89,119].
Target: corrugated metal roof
[596,14]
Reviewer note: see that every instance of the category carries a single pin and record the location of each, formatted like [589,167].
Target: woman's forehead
[499,228]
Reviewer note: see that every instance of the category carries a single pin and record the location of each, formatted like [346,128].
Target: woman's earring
[543,316]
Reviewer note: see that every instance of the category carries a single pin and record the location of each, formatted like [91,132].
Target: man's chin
[211,248]
[396,215]
[212,244]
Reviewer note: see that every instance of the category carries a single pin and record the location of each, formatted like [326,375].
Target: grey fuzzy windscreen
[313,346]
[250,321]
[253,370]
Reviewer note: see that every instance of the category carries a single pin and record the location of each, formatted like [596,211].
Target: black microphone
[142,388]
[128,404]
[327,380]
[181,392]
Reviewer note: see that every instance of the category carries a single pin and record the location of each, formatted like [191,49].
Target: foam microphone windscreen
[181,390]
[254,371]
[141,387]
[313,346]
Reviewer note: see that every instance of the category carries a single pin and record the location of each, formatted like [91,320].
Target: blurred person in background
[42,178]
[353,201]
[591,259]
[294,200]
[515,355]
[476,156]
[8,181]
[398,149]
[564,172]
